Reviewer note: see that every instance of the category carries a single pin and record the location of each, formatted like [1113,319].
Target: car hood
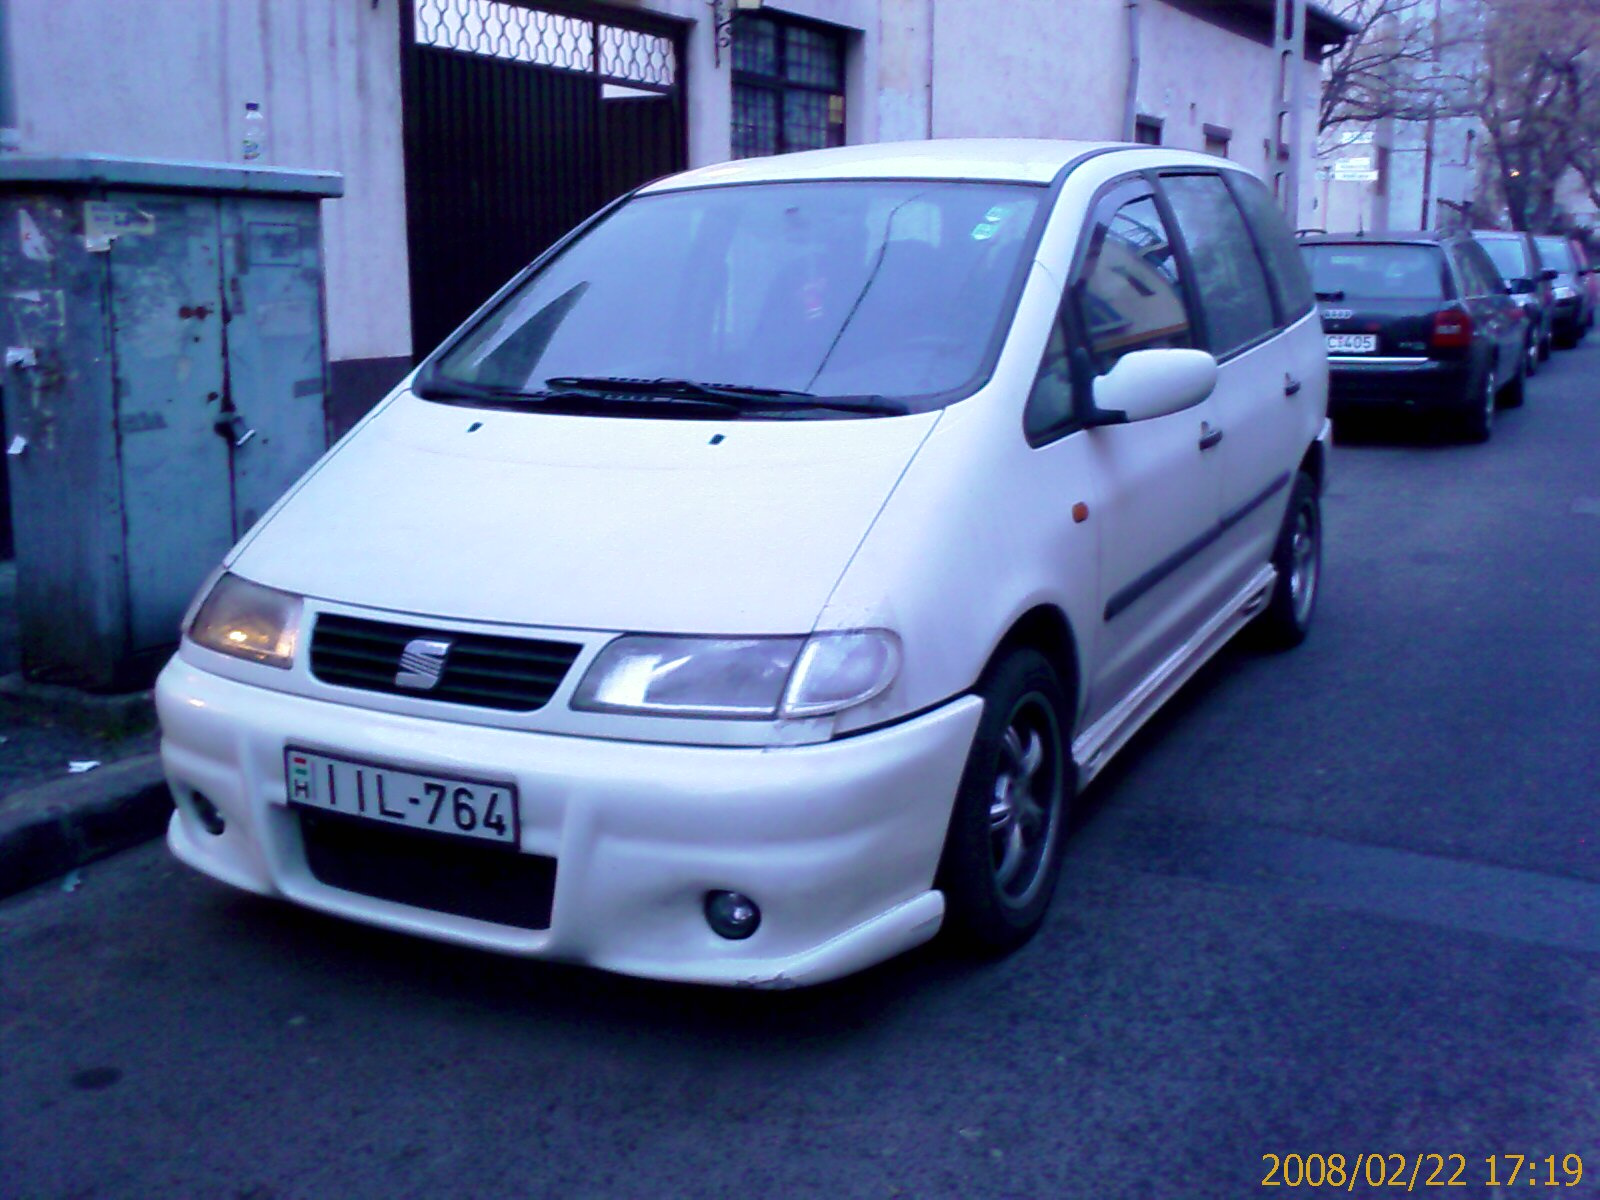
[675,526]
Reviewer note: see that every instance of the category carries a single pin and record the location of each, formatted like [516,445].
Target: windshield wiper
[733,395]
[435,387]
[557,398]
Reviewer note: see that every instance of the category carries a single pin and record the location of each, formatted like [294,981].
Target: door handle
[1291,385]
[1209,436]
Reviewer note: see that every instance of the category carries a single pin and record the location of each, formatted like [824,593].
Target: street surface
[1340,901]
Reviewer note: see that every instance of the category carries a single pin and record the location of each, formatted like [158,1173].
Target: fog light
[210,818]
[732,915]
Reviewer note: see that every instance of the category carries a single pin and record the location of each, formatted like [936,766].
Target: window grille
[547,39]
[788,85]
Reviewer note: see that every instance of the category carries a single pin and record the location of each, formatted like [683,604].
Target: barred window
[788,85]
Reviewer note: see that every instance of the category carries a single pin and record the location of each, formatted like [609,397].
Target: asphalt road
[1341,901]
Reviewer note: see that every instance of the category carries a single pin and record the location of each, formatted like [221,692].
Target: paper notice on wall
[34,244]
[104,222]
[17,446]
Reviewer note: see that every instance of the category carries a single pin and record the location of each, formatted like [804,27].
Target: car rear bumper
[1418,383]
[837,843]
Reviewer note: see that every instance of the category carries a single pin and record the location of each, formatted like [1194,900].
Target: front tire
[1297,557]
[1002,854]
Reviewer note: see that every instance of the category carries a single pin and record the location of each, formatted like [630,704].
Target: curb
[48,829]
[110,716]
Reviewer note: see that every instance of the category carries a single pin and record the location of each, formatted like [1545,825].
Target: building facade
[473,133]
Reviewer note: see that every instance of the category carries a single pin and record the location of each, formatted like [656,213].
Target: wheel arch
[1315,464]
[1045,628]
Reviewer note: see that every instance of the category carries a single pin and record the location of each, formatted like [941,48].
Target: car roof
[1389,237]
[1013,160]
[1500,234]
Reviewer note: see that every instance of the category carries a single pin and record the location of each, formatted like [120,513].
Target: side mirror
[1520,284]
[1549,273]
[1506,289]
[1144,384]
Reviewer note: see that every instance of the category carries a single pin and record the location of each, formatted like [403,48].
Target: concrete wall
[171,80]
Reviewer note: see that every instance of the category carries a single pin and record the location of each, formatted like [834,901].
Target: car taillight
[1452,329]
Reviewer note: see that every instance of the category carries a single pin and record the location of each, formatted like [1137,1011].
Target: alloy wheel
[1025,803]
[1304,565]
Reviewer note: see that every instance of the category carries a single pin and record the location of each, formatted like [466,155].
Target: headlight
[747,678]
[1563,292]
[249,621]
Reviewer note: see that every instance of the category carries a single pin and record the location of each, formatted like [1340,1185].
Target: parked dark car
[1418,321]
[1574,312]
[1589,272]
[1517,258]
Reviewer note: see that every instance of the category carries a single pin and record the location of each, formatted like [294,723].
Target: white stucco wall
[1029,68]
[171,79]
[1058,68]
[1193,74]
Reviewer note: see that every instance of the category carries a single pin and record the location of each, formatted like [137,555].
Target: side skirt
[1095,746]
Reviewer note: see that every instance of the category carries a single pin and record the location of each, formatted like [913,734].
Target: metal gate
[519,122]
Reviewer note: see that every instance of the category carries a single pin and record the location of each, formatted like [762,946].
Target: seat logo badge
[421,663]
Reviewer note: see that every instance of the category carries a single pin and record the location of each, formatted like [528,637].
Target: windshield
[884,289]
[1508,256]
[1556,253]
[1401,272]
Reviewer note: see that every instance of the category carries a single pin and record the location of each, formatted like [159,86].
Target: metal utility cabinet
[164,383]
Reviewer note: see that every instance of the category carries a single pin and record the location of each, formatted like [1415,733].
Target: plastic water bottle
[255,131]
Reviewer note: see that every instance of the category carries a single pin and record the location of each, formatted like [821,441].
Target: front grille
[519,674]
[427,870]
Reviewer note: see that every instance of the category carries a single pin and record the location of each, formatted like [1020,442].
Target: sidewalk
[54,818]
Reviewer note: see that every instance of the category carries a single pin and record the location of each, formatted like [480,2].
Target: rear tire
[1286,620]
[1477,423]
[1002,854]
[1515,392]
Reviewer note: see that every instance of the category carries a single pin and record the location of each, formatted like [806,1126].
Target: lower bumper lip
[837,842]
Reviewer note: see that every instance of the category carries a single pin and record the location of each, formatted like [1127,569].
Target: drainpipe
[1130,98]
[931,19]
[10,137]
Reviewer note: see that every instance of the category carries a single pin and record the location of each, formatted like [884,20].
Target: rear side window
[1475,281]
[1227,271]
[1508,256]
[1285,269]
[1346,270]
[1555,252]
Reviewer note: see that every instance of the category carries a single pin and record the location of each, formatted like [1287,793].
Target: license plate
[1352,343]
[443,804]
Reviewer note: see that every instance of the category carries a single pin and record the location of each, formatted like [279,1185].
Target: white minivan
[744,593]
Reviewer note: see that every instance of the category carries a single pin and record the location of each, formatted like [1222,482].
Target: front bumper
[1411,383]
[836,842]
